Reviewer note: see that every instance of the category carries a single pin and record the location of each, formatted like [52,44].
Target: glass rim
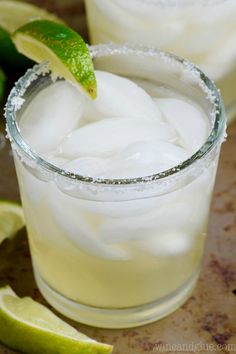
[177,3]
[15,100]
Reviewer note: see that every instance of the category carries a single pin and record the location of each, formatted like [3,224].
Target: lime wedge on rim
[11,219]
[30,327]
[64,49]
[2,83]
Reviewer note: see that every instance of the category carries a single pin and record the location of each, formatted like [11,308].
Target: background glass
[202,31]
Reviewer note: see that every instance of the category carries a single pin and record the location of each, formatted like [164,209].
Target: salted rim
[15,100]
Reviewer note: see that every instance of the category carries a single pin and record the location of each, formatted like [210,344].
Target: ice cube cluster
[124,133]
[127,132]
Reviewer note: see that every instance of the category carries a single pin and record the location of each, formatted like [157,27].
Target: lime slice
[2,83]
[64,49]
[29,327]
[11,219]
[14,14]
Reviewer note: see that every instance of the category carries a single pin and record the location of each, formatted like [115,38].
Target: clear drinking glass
[122,252]
[202,31]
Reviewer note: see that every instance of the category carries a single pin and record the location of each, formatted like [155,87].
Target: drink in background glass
[116,191]
[202,31]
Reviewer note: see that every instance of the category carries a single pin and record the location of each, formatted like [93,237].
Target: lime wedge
[2,83]
[64,49]
[14,14]
[30,327]
[11,219]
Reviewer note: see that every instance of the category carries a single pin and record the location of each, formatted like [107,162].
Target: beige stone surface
[208,318]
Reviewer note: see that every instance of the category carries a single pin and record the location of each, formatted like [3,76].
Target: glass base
[117,318]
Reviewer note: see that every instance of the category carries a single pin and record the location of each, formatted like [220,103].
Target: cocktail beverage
[202,31]
[116,190]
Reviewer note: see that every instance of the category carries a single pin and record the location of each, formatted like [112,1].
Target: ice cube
[177,226]
[120,97]
[118,209]
[174,214]
[56,160]
[189,122]
[109,136]
[81,228]
[167,244]
[51,115]
[144,159]
[87,166]
[142,226]
[138,160]
[123,230]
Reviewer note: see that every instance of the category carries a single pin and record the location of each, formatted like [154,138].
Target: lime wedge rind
[23,327]
[65,49]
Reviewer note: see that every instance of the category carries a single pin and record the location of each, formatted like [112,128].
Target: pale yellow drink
[124,274]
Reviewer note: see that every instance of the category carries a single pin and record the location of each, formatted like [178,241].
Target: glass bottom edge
[117,318]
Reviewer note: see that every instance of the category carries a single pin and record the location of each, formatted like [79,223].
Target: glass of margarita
[116,191]
[202,31]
